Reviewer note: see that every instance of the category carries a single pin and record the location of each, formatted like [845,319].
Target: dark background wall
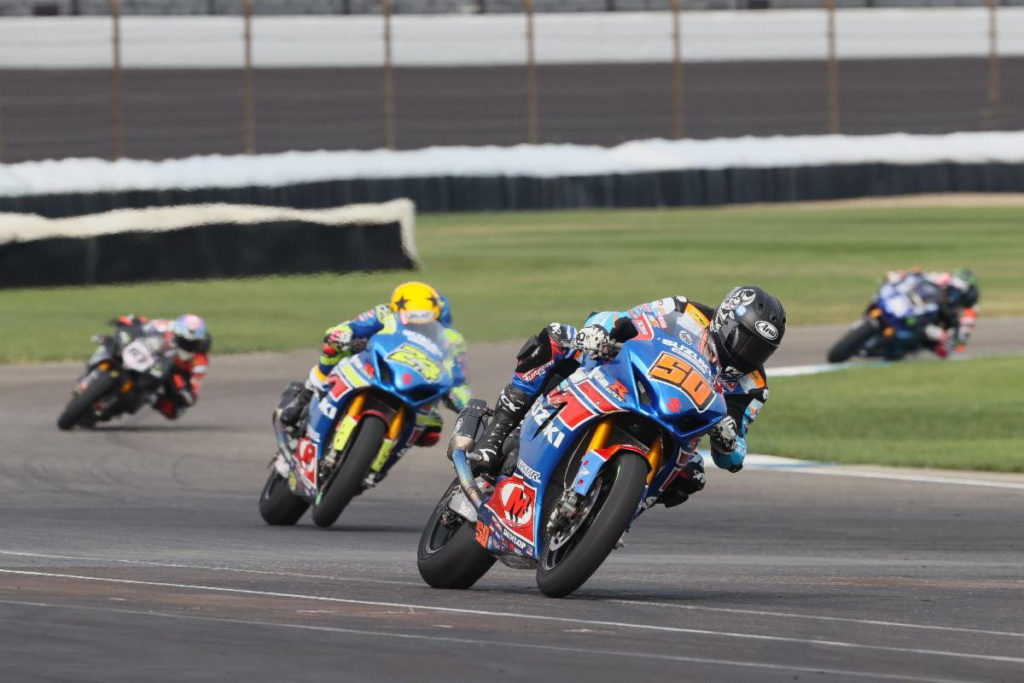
[174,113]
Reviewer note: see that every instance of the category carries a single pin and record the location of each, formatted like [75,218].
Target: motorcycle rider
[743,331]
[192,343]
[410,302]
[948,302]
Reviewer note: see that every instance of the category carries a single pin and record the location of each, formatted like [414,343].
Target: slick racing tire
[81,404]
[570,558]
[278,505]
[347,478]
[449,556]
[853,341]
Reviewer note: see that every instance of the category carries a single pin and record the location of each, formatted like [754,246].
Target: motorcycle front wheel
[348,476]
[278,505]
[81,403]
[571,555]
[448,555]
[853,341]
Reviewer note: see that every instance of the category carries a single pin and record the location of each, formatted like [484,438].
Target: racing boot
[688,482]
[292,412]
[509,411]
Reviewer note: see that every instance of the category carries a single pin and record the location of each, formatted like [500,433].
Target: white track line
[214,568]
[602,652]
[848,620]
[419,584]
[839,471]
[530,617]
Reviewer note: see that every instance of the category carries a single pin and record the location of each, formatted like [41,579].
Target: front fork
[604,443]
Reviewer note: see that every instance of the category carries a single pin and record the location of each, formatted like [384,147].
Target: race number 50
[674,370]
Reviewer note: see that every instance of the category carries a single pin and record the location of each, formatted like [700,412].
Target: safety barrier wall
[190,242]
[636,174]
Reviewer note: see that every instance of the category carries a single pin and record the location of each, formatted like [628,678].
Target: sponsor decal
[766,330]
[514,503]
[527,471]
[695,358]
[553,434]
[482,533]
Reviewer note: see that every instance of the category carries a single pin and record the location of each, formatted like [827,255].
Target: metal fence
[380,100]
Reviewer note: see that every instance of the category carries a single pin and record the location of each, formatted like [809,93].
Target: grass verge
[961,415]
[509,273]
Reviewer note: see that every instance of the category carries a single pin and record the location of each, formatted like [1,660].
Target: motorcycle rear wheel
[348,477]
[853,341]
[619,487]
[81,403]
[449,556]
[278,505]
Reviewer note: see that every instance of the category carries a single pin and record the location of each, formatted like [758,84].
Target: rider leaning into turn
[192,344]
[744,330]
[949,302]
[411,303]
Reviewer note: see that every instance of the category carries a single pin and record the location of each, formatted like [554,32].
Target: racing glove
[726,445]
[595,341]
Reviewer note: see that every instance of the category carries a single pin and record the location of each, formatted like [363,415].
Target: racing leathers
[557,350]
[942,326]
[349,337]
[180,390]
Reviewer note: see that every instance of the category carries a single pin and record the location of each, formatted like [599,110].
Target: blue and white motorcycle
[593,454]
[891,327]
[360,426]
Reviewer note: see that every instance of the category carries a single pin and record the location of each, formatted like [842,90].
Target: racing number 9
[677,372]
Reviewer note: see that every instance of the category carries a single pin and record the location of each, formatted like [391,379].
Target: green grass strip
[509,273]
[960,415]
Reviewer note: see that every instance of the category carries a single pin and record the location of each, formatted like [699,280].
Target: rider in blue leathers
[740,335]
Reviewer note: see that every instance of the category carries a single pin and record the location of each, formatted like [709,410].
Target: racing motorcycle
[890,327]
[590,458]
[126,369]
[358,428]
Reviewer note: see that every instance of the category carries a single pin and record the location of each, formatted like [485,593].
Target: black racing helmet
[964,288]
[747,328]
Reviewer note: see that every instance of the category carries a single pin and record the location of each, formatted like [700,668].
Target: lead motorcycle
[358,428]
[890,328]
[127,368]
[590,459]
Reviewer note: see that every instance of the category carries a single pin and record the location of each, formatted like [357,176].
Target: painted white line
[847,620]
[529,617]
[602,652]
[216,568]
[839,471]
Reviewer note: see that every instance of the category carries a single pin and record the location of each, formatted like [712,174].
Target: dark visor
[748,348]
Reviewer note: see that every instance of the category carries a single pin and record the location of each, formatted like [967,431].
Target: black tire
[81,403]
[278,505]
[620,485]
[853,341]
[450,557]
[348,477]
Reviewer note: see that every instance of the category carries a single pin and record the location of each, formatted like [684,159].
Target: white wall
[198,42]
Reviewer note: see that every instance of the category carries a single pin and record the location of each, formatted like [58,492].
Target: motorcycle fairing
[584,406]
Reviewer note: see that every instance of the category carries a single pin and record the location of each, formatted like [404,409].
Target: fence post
[248,91]
[833,70]
[532,116]
[678,116]
[389,79]
[115,13]
[992,109]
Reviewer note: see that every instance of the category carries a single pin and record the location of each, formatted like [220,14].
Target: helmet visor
[748,350]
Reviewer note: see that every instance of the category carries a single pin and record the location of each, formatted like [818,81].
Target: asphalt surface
[175,113]
[136,552]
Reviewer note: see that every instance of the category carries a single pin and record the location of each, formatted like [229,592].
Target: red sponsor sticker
[482,534]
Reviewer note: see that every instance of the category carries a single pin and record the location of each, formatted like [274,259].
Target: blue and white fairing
[404,365]
[662,376]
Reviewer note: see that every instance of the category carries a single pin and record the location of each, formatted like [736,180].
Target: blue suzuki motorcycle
[360,426]
[891,326]
[592,455]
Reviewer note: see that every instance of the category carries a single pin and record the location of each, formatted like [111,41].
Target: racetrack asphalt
[135,552]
